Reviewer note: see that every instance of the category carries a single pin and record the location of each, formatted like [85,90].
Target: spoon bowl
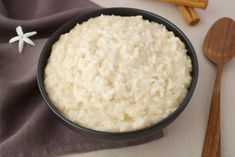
[219,44]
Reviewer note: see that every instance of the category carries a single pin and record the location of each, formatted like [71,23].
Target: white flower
[22,38]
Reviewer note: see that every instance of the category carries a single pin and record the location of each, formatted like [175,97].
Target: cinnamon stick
[194,15]
[190,3]
[189,14]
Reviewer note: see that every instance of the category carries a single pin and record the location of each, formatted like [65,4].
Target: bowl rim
[54,37]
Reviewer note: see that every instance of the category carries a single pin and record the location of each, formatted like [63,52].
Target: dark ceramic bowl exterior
[117,136]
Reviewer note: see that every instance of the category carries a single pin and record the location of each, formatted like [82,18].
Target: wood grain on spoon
[219,47]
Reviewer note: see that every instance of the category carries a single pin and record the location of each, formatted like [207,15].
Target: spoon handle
[212,142]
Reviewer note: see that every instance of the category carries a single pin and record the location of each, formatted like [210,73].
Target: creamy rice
[117,74]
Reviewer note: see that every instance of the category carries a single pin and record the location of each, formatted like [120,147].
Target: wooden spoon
[219,47]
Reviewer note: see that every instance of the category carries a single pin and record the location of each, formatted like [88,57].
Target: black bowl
[117,136]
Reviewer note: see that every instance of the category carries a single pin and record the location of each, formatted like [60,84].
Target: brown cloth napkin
[27,127]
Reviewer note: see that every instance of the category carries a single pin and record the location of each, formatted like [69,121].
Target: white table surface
[185,136]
